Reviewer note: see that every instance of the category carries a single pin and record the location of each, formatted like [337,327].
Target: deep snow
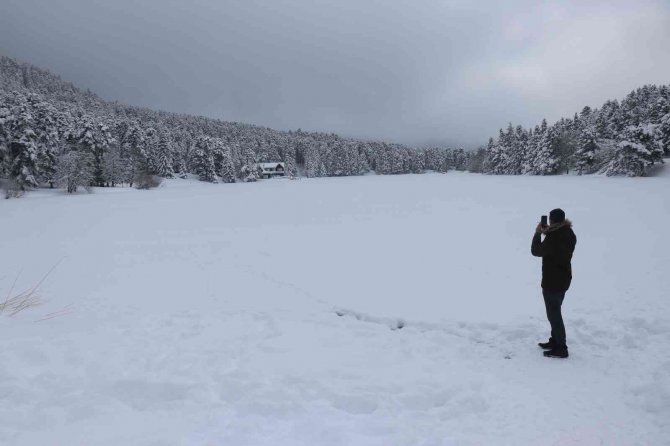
[269,313]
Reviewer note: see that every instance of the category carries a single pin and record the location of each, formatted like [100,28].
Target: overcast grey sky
[416,72]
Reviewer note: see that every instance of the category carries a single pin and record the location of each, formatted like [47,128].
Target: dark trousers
[552,302]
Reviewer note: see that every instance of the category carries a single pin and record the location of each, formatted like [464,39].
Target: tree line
[620,138]
[53,134]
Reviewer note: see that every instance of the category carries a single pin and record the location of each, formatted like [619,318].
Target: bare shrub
[147,181]
[15,303]
[20,302]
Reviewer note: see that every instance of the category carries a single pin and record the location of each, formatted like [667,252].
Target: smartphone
[543,220]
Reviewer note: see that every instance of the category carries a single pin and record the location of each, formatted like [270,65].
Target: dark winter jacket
[556,252]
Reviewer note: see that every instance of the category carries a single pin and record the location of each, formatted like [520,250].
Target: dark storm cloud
[416,72]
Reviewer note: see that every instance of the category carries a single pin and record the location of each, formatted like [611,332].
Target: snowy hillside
[53,134]
[395,310]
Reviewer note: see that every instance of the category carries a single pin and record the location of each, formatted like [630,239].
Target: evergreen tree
[164,157]
[93,138]
[313,162]
[48,124]
[289,159]
[249,170]
[532,146]
[134,151]
[460,159]
[586,151]
[608,121]
[113,168]
[545,161]
[636,151]
[495,161]
[227,172]
[202,159]
[517,151]
[565,141]
[510,152]
[416,161]
[22,150]
[476,160]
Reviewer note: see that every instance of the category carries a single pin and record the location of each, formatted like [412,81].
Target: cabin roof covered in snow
[270,165]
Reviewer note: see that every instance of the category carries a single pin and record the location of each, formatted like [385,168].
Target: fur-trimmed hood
[557,226]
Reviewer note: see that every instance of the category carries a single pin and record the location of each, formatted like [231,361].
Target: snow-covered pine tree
[93,137]
[636,151]
[289,158]
[532,143]
[494,163]
[228,168]
[164,157]
[312,161]
[379,158]
[398,161]
[183,143]
[518,149]
[249,170]
[218,147]
[460,159]
[362,158]
[300,150]
[629,159]
[321,170]
[586,151]
[608,120]
[448,159]
[336,159]
[48,125]
[328,159]
[476,160]
[202,159]
[113,167]
[430,161]
[565,137]
[180,165]
[134,152]
[545,162]
[104,141]
[440,160]
[509,152]
[22,149]
[351,161]
[417,161]
[648,135]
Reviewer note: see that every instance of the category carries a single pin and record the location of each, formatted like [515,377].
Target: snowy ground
[269,313]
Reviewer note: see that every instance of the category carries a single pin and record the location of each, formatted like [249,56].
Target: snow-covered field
[269,314]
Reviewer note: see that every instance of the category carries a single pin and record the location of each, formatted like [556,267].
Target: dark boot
[549,345]
[557,352]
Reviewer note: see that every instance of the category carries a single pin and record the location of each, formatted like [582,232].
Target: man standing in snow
[556,252]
